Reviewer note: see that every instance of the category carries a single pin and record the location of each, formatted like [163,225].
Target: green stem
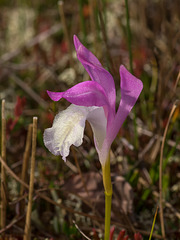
[131,69]
[107,216]
[108,196]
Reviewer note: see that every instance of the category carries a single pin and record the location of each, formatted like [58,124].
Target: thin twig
[11,224]
[161,169]
[14,202]
[84,235]
[3,175]
[31,184]
[30,91]
[61,12]
[12,173]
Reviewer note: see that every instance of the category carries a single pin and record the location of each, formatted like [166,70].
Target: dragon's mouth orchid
[93,101]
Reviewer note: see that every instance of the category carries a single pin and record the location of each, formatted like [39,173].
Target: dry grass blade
[161,169]
[24,172]
[31,184]
[26,158]
[3,175]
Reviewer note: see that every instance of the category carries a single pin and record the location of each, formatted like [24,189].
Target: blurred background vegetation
[37,55]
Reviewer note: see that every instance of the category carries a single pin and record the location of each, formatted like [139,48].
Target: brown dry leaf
[122,201]
[93,182]
[124,194]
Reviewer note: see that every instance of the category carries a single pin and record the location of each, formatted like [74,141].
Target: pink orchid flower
[93,101]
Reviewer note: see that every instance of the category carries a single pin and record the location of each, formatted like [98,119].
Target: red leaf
[126,238]
[137,236]
[20,104]
[112,233]
[121,235]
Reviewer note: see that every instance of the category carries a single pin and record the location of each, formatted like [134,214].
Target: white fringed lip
[68,129]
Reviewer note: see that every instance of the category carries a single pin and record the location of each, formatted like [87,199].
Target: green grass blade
[152,229]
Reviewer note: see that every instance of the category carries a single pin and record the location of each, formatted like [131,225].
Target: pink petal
[131,88]
[96,71]
[55,96]
[83,52]
[83,94]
